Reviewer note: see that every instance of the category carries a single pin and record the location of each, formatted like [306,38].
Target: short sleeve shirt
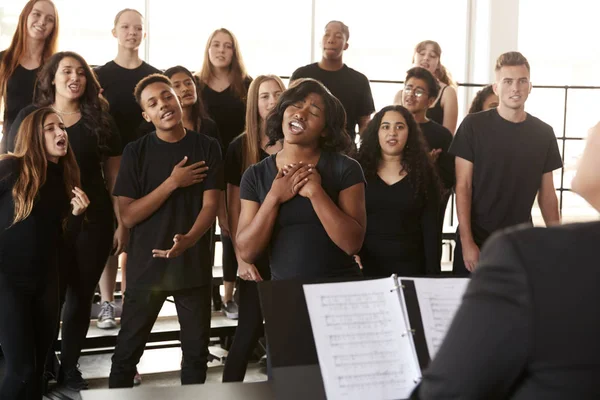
[145,165]
[299,246]
[509,160]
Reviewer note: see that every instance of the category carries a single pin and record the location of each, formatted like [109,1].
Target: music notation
[360,333]
[439,299]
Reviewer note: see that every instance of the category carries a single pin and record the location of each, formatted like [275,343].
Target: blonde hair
[30,150]
[18,46]
[237,68]
[123,11]
[251,141]
[441,73]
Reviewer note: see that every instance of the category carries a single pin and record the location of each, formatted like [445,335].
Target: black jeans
[79,278]
[140,310]
[248,331]
[458,264]
[230,265]
[28,319]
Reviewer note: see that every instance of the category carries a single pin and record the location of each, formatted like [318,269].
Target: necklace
[66,112]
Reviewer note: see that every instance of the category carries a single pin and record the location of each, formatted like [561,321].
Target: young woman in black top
[247,149]
[118,79]
[402,196]
[195,116]
[35,40]
[36,184]
[445,110]
[484,100]
[224,83]
[67,84]
[311,218]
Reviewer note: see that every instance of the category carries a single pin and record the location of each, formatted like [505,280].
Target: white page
[365,350]
[439,300]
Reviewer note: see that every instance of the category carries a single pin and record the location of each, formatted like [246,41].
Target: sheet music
[363,342]
[439,300]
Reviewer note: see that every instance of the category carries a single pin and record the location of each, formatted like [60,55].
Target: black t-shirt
[509,160]
[349,86]
[227,110]
[233,176]
[28,249]
[145,165]
[402,230]
[19,94]
[118,84]
[299,246]
[439,137]
[90,157]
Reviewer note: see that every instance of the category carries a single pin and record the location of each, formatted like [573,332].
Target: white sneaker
[106,317]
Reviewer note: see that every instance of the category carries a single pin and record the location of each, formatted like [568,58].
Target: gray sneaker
[230,309]
[106,317]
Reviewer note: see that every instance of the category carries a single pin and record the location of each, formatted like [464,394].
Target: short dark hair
[480,98]
[337,140]
[433,88]
[512,59]
[150,79]
[345,29]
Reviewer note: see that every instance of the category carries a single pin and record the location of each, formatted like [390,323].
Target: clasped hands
[296,178]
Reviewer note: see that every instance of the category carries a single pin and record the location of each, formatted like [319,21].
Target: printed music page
[439,300]
[363,341]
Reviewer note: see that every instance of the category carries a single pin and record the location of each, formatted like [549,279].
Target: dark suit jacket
[529,324]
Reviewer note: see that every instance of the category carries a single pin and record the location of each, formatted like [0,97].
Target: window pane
[269,44]
[548,105]
[554,41]
[581,114]
[573,152]
[576,209]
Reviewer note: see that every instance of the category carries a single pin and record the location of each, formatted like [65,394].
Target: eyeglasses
[417,92]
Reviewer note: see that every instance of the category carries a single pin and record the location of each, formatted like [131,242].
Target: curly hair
[415,158]
[480,98]
[94,108]
[337,139]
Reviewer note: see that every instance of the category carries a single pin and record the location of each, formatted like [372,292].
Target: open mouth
[62,144]
[39,28]
[392,142]
[297,127]
[74,87]
[515,97]
[167,115]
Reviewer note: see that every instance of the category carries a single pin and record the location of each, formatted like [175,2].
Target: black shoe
[72,379]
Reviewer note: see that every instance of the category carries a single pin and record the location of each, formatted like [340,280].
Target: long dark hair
[480,98]
[198,111]
[94,108]
[415,158]
[336,140]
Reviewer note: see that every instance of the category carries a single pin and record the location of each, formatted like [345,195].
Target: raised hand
[190,175]
[80,201]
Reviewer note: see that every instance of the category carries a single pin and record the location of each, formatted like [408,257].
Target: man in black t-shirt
[168,189]
[349,86]
[504,157]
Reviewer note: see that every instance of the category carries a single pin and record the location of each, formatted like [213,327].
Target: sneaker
[230,309]
[106,317]
[72,379]
[137,379]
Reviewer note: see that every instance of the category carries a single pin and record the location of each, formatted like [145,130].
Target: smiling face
[334,41]
[185,88]
[129,30]
[56,140]
[70,79]
[220,52]
[161,106]
[268,94]
[41,20]
[512,86]
[427,58]
[393,133]
[304,121]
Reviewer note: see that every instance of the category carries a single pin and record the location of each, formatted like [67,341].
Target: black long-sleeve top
[402,230]
[528,325]
[28,249]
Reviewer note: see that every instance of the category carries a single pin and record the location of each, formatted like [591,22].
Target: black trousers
[248,331]
[230,265]
[140,310]
[79,276]
[458,264]
[28,318]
